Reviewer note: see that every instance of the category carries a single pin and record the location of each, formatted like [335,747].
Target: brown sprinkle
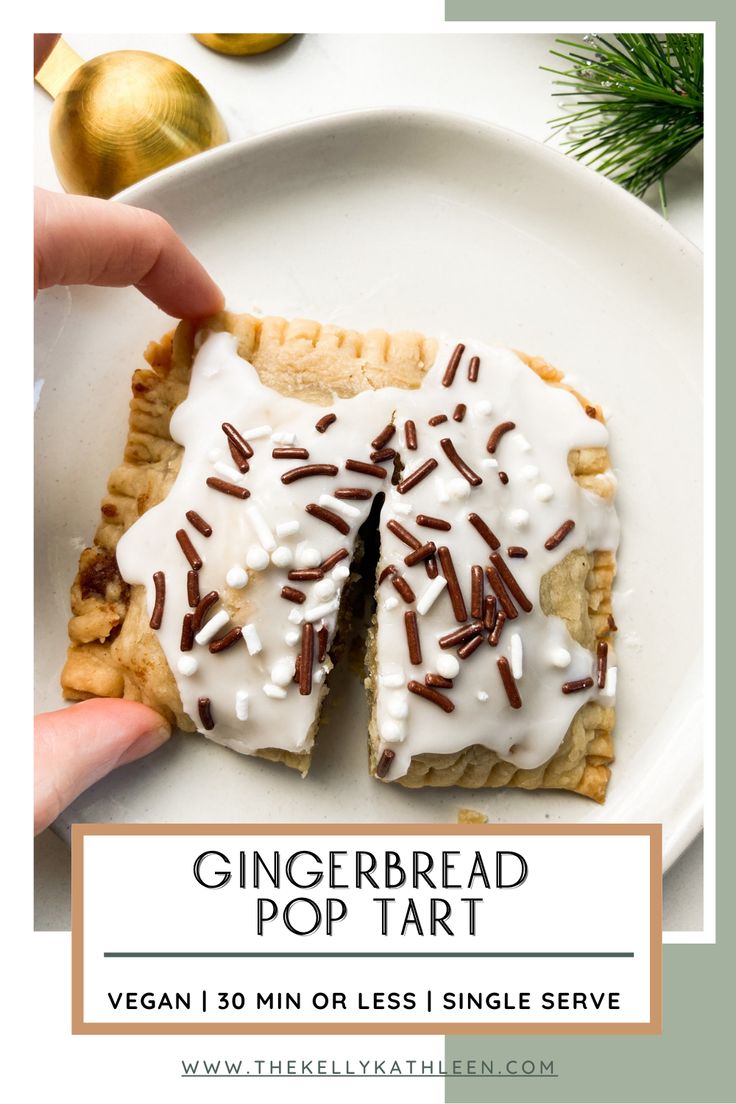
[591,412]
[602,664]
[305,574]
[384,763]
[501,593]
[416,476]
[437,419]
[389,569]
[159,582]
[381,455]
[322,635]
[487,534]
[297,669]
[421,553]
[503,477]
[509,683]
[410,435]
[578,684]
[559,535]
[188,549]
[412,637]
[337,555]
[232,435]
[453,586]
[383,437]
[205,713]
[430,566]
[187,634]
[495,636]
[325,422]
[193,594]
[328,516]
[352,492]
[489,612]
[476,591]
[239,458]
[403,588]
[516,552]
[365,468]
[306,659]
[459,636]
[403,534]
[439,681]
[511,582]
[430,694]
[224,487]
[291,594]
[222,643]
[612,624]
[473,369]
[430,522]
[497,434]
[454,457]
[469,646]
[307,470]
[459,412]
[203,608]
[199,523]
[288,453]
[452,365]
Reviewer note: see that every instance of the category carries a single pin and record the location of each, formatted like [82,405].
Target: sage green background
[694,1059]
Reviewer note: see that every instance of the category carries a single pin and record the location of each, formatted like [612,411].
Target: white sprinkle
[237,577]
[441,490]
[340,573]
[262,531]
[282,671]
[483,408]
[543,492]
[319,676]
[339,505]
[287,529]
[398,707]
[241,705]
[431,593]
[307,556]
[489,462]
[324,588]
[227,471]
[521,442]
[292,637]
[257,558]
[530,472]
[323,610]
[256,432]
[282,556]
[283,438]
[392,679]
[252,639]
[609,690]
[518,518]
[404,508]
[560,657]
[187,665]
[448,665]
[296,616]
[482,696]
[213,626]
[393,731]
[459,488]
[391,603]
[214,455]
[517,656]
[272,691]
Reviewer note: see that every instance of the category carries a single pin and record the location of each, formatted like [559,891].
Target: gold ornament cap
[122,116]
[241,44]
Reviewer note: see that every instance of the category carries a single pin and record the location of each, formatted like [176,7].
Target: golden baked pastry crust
[113,651]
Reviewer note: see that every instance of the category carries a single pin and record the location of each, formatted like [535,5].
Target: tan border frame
[652,1027]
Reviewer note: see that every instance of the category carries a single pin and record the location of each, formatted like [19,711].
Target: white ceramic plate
[414,220]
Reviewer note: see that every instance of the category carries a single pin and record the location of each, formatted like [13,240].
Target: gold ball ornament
[124,115]
[241,44]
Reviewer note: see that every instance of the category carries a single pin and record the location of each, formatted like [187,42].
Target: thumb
[77,746]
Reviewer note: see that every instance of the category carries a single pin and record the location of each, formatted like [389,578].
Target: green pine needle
[634,104]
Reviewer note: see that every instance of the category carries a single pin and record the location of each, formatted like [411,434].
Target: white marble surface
[492,76]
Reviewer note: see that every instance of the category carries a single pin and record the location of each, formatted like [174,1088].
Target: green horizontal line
[368,954]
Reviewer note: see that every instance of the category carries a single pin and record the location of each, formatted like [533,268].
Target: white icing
[246,681]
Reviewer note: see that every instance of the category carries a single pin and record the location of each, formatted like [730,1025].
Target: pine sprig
[634,104]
